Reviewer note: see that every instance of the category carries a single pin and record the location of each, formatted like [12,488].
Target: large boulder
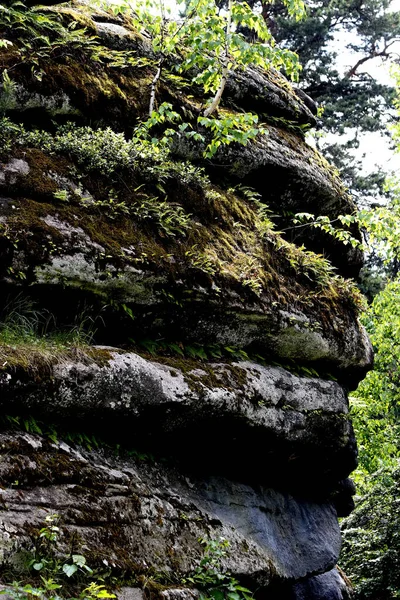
[172,367]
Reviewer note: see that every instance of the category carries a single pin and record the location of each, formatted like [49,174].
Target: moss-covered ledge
[254,413]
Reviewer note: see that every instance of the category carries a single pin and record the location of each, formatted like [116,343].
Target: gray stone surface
[129,593]
[180,594]
[328,586]
[55,104]
[14,168]
[256,413]
[146,517]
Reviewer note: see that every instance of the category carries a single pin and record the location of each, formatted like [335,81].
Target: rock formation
[148,303]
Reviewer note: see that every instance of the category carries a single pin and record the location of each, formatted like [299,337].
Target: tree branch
[225,70]
[154,85]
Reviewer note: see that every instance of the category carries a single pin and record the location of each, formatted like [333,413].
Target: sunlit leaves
[238,128]
[205,46]
[376,404]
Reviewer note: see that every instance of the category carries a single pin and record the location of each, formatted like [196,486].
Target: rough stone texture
[179,594]
[288,173]
[54,253]
[9,172]
[253,413]
[268,93]
[329,586]
[130,593]
[131,514]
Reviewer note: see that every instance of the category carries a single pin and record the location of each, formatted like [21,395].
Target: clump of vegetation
[105,151]
[375,404]
[210,577]
[32,35]
[54,576]
[30,338]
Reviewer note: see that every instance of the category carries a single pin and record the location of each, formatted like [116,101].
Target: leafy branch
[206,45]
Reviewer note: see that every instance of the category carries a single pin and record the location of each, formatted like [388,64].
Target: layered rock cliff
[149,304]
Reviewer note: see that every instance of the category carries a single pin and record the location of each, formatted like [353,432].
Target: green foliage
[30,425]
[101,150]
[353,97]
[22,323]
[371,550]
[380,225]
[211,579]
[170,219]
[239,128]
[371,541]
[201,36]
[333,227]
[7,94]
[35,34]
[9,132]
[205,45]
[217,352]
[376,403]
[106,151]
[55,570]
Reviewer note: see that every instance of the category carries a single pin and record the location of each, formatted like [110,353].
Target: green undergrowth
[31,340]
[33,35]
[37,354]
[53,568]
[47,574]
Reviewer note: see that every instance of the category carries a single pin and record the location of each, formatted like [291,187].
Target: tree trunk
[225,68]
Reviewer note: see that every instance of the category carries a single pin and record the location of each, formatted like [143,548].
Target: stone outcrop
[135,515]
[180,367]
[252,413]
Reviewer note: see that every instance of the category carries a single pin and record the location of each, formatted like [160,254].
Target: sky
[374,148]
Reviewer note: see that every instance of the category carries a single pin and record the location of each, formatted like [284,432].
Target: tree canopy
[353,101]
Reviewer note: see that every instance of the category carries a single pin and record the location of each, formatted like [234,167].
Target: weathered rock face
[218,354]
[253,414]
[131,513]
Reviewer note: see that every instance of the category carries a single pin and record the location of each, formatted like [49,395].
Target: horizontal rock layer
[197,289]
[135,515]
[264,423]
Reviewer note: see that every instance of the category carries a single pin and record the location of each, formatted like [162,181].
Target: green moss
[72,14]
[37,357]
[228,245]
